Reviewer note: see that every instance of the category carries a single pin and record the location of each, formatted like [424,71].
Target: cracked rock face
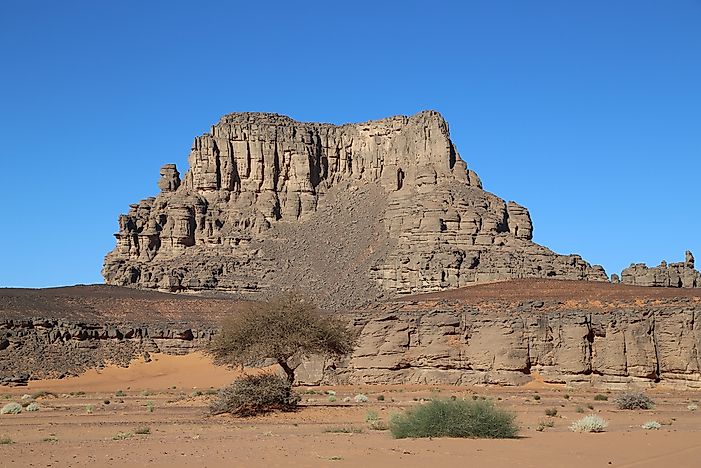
[673,275]
[380,208]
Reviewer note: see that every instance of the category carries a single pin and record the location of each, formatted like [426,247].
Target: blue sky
[588,113]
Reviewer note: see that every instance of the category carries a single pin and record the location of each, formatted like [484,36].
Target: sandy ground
[76,426]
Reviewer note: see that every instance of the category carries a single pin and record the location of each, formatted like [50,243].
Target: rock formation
[673,275]
[505,333]
[381,207]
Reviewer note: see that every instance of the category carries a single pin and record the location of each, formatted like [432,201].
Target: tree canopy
[280,328]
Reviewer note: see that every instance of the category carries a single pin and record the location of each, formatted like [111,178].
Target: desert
[373,234]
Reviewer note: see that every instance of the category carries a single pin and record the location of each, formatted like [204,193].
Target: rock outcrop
[673,275]
[386,207]
[507,333]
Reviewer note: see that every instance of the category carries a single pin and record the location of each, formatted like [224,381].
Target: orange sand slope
[193,370]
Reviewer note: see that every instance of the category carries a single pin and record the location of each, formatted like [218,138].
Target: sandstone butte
[382,222]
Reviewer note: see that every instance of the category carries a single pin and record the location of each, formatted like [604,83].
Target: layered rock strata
[394,192]
[507,333]
[673,275]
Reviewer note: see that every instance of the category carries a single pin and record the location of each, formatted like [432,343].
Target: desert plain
[82,422]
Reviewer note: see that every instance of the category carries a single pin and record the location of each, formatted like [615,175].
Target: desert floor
[81,421]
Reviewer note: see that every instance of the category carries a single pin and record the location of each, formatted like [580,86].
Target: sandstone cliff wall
[447,342]
[390,200]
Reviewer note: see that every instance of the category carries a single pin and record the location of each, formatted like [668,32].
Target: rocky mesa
[349,213]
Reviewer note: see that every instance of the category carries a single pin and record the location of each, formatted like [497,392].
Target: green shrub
[651,425]
[89,409]
[11,408]
[142,430]
[4,440]
[122,436]
[692,407]
[459,418]
[120,393]
[590,423]
[634,400]
[371,415]
[600,397]
[255,394]
[579,409]
[150,406]
[380,398]
[32,407]
[536,397]
[331,398]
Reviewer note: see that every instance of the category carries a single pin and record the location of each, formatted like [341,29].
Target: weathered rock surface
[505,333]
[673,275]
[376,208]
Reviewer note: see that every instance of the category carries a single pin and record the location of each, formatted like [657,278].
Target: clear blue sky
[588,113]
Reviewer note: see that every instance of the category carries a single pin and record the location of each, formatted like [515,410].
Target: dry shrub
[255,394]
[634,400]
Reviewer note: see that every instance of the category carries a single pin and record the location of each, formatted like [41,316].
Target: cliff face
[507,333]
[381,207]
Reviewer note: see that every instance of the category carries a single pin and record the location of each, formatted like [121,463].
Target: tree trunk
[288,370]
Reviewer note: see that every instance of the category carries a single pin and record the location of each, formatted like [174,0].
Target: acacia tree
[279,329]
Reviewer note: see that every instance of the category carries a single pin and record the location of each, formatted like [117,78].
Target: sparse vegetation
[543,423]
[651,425]
[122,436]
[692,407]
[150,405]
[633,401]
[343,430]
[142,430]
[378,425]
[459,418]
[32,407]
[332,398]
[11,408]
[600,397]
[579,409]
[255,394]
[195,394]
[552,412]
[590,423]
[4,440]
[120,393]
[89,409]
[50,438]
[281,328]
[360,398]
